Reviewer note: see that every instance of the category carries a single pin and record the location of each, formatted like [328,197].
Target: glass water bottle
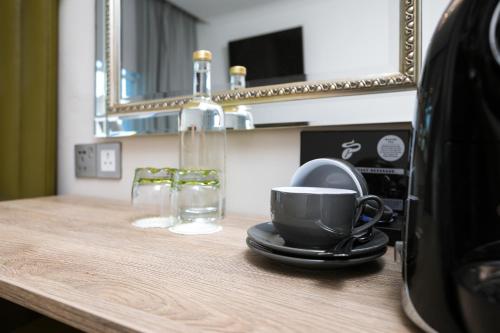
[238,117]
[202,162]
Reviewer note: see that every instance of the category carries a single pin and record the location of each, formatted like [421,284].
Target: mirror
[292,49]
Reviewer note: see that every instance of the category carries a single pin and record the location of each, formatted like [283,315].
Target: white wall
[256,161]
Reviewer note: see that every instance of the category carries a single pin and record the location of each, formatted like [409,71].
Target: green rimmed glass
[153,197]
[200,202]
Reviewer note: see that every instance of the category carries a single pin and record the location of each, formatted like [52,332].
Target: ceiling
[204,9]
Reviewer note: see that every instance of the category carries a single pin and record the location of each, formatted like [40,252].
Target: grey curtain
[165,38]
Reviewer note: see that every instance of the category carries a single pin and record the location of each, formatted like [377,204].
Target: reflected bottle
[237,77]
[238,117]
[201,176]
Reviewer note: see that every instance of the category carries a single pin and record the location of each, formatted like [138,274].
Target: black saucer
[266,235]
[310,263]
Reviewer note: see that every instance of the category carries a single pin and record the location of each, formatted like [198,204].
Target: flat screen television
[272,58]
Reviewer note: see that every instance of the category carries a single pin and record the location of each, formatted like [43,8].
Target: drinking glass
[153,197]
[200,201]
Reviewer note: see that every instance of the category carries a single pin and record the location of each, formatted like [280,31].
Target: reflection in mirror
[157,41]
[277,41]
[295,40]
[270,58]
[293,51]
[238,117]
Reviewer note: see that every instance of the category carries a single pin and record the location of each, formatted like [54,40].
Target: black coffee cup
[315,217]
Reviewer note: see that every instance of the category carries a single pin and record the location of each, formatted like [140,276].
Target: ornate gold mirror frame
[406,78]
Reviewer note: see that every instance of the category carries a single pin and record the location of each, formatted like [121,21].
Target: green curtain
[28,98]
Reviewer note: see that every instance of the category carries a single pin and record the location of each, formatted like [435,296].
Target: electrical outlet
[109,160]
[85,161]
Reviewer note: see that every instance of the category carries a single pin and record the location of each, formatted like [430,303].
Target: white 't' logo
[350,148]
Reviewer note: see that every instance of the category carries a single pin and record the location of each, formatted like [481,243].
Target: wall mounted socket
[109,161]
[98,160]
[86,161]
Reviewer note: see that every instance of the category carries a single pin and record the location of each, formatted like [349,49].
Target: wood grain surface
[80,261]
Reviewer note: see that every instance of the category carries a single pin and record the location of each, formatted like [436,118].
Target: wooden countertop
[79,260]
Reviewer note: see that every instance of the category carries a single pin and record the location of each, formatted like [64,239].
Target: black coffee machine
[451,254]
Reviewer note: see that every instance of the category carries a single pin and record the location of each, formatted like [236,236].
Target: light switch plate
[109,160]
[86,161]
